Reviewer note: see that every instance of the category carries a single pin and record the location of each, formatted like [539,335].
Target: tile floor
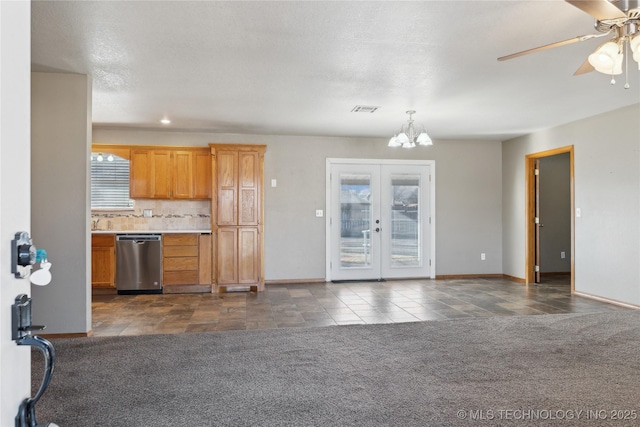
[310,305]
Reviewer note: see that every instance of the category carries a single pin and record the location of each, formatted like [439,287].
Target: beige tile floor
[311,305]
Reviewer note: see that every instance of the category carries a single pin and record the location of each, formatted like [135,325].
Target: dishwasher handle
[139,238]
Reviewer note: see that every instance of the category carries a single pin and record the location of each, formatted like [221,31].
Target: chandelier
[408,137]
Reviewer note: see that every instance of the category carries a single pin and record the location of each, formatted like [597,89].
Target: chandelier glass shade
[407,137]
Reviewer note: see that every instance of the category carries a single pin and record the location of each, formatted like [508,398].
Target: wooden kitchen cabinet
[140,176]
[103,261]
[237,174]
[185,263]
[238,256]
[160,173]
[202,174]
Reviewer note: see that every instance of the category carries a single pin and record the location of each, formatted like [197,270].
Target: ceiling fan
[620,18]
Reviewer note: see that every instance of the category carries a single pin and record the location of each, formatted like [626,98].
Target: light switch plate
[147,213]
[578,212]
[274,183]
[319,213]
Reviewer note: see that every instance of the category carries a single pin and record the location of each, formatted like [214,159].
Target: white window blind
[110,183]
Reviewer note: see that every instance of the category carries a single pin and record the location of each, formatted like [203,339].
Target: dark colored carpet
[530,370]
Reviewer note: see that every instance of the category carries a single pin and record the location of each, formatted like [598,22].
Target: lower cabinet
[186,263]
[103,261]
[238,258]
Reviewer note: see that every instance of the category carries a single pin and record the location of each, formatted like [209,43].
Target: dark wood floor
[311,305]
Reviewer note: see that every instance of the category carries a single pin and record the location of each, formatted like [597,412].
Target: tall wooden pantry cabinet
[237,215]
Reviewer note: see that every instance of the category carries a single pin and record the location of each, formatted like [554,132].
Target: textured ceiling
[299,67]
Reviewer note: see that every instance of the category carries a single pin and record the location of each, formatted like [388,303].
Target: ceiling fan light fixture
[606,58]
[634,44]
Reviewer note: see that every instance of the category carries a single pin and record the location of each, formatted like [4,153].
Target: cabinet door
[202,174]
[227,187]
[227,255]
[140,174]
[248,188]
[182,175]
[204,260]
[161,174]
[248,255]
[102,267]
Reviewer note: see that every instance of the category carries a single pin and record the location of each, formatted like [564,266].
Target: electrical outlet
[483,256]
[563,255]
[319,213]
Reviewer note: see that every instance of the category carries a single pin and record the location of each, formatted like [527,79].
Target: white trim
[432,194]
[606,300]
[327,210]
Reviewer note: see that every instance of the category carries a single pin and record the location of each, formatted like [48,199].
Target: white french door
[380,219]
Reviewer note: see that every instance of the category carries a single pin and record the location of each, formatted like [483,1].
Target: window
[109,182]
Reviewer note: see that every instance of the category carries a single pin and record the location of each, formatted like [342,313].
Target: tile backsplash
[165,215]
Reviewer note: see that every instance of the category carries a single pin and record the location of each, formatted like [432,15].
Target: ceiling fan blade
[539,48]
[599,9]
[552,45]
[585,68]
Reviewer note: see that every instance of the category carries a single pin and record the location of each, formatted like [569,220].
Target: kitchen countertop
[148,231]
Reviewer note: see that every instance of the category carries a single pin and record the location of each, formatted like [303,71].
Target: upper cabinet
[158,173]
[238,179]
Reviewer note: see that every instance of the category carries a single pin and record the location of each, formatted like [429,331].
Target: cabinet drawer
[180,263]
[173,251]
[180,240]
[103,240]
[180,278]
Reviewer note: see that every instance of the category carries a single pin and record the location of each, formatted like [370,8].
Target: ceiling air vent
[364,109]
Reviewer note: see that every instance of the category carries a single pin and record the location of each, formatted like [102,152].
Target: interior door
[379,221]
[537,221]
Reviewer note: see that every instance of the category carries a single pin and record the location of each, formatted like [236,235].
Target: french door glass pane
[405,220]
[355,219]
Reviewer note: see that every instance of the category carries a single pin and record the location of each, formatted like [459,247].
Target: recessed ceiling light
[165,121]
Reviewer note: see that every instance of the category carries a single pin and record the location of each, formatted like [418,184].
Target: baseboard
[186,289]
[559,273]
[514,279]
[607,300]
[104,291]
[468,276]
[293,281]
[73,335]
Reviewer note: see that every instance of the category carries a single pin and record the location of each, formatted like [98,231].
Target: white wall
[607,190]
[15,66]
[60,189]
[468,195]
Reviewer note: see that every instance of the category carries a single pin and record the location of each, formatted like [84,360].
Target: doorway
[380,219]
[550,246]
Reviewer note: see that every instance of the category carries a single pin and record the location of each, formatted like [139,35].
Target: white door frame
[431,213]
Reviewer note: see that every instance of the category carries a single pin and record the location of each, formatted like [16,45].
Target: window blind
[110,183]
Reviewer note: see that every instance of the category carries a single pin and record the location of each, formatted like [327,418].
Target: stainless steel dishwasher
[139,263]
